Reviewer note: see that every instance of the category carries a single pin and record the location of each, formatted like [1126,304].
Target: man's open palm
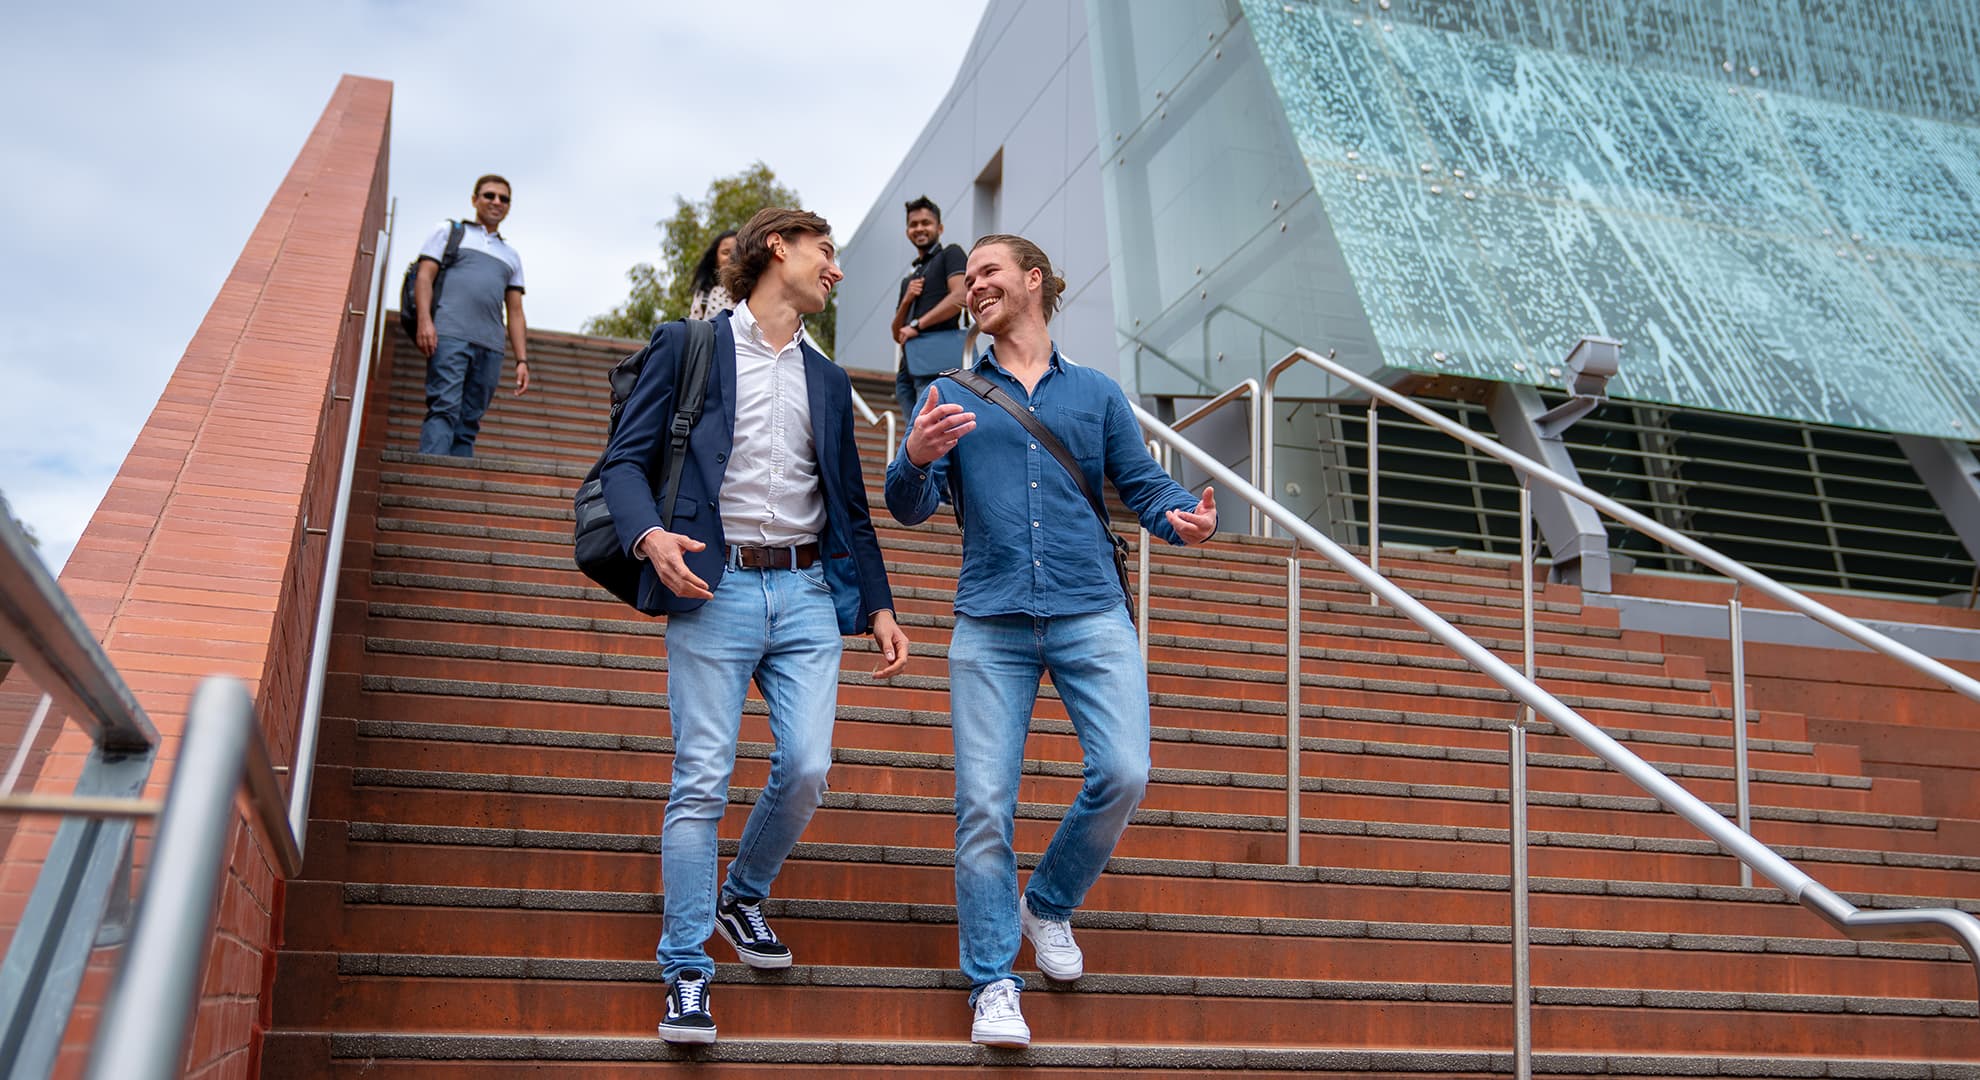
[1196,526]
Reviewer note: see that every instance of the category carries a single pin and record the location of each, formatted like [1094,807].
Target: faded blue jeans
[460,382]
[994,668]
[778,627]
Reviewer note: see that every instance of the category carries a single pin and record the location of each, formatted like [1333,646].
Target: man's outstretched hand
[1196,526]
[937,429]
[893,645]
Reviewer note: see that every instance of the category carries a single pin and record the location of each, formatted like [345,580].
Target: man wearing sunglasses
[464,317]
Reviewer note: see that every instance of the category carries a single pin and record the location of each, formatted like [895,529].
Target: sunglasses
[496,195]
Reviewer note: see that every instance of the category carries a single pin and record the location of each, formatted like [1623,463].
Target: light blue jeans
[778,627]
[994,667]
[460,382]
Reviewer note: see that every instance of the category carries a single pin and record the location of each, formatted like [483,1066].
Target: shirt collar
[989,359]
[743,322]
[921,259]
[484,229]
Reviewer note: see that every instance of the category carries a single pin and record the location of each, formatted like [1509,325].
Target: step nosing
[615,903]
[564,969]
[417,1046]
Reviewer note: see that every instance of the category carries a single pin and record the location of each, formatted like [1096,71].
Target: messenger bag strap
[996,395]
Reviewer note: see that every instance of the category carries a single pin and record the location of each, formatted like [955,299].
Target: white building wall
[1025,89]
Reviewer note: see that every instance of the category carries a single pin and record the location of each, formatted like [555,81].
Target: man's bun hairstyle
[753,255]
[1030,257]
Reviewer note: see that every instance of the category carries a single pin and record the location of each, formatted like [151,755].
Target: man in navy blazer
[770,559]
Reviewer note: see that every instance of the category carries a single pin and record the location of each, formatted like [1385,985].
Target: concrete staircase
[481,896]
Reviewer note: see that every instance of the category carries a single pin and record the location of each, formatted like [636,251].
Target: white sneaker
[999,1022]
[1058,954]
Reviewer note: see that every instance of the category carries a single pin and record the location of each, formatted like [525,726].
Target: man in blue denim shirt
[1038,592]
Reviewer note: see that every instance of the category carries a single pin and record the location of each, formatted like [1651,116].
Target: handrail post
[1742,799]
[1254,435]
[1292,707]
[1522,988]
[893,428]
[1374,503]
[1265,444]
[1141,596]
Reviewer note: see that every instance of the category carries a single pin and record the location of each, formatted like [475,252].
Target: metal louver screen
[1807,504]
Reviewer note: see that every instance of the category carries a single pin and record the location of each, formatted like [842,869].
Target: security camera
[1591,364]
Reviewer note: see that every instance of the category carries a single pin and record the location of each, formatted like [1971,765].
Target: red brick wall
[197,561]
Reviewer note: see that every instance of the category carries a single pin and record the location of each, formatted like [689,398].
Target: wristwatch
[914,323]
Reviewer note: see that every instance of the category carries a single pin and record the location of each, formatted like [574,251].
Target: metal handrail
[1790,879]
[302,772]
[887,418]
[41,630]
[1249,390]
[148,1017]
[1738,571]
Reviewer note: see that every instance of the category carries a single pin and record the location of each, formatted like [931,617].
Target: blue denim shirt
[1031,542]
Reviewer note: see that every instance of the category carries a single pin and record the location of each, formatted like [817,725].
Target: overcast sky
[142,143]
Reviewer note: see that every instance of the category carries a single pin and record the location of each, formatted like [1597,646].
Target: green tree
[26,529]
[663,292]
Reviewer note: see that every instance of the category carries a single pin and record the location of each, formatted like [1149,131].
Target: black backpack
[598,552]
[408,300]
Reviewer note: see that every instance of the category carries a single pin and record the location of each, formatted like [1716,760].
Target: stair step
[427,992]
[389,1055]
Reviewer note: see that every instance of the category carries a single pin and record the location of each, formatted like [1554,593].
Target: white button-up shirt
[770,493]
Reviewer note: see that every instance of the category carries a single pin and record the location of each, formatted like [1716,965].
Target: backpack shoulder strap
[995,395]
[690,391]
[453,253]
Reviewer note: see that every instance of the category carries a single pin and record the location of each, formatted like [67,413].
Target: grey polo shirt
[471,303]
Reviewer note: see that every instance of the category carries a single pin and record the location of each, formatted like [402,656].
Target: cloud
[155,140]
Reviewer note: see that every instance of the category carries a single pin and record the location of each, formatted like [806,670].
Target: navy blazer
[854,567]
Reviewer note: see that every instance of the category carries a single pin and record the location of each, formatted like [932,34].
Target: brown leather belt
[773,558]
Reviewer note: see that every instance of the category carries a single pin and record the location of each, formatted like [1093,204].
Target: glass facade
[1502,178]
[1222,258]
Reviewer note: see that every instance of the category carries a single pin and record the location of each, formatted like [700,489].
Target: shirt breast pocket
[1084,433]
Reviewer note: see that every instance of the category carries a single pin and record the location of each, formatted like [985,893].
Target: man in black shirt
[927,321]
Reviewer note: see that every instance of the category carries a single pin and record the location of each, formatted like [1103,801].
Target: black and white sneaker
[742,925]
[688,1019]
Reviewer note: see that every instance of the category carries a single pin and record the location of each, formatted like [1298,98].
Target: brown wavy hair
[752,255]
[1030,257]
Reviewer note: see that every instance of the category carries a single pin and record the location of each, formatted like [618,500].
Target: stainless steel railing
[1790,879]
[143,1031]
[1742,574]
[1737,571]
[886,420]
[303,776]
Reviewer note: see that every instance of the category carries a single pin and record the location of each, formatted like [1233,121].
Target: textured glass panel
[1757,252]
[1910,56]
